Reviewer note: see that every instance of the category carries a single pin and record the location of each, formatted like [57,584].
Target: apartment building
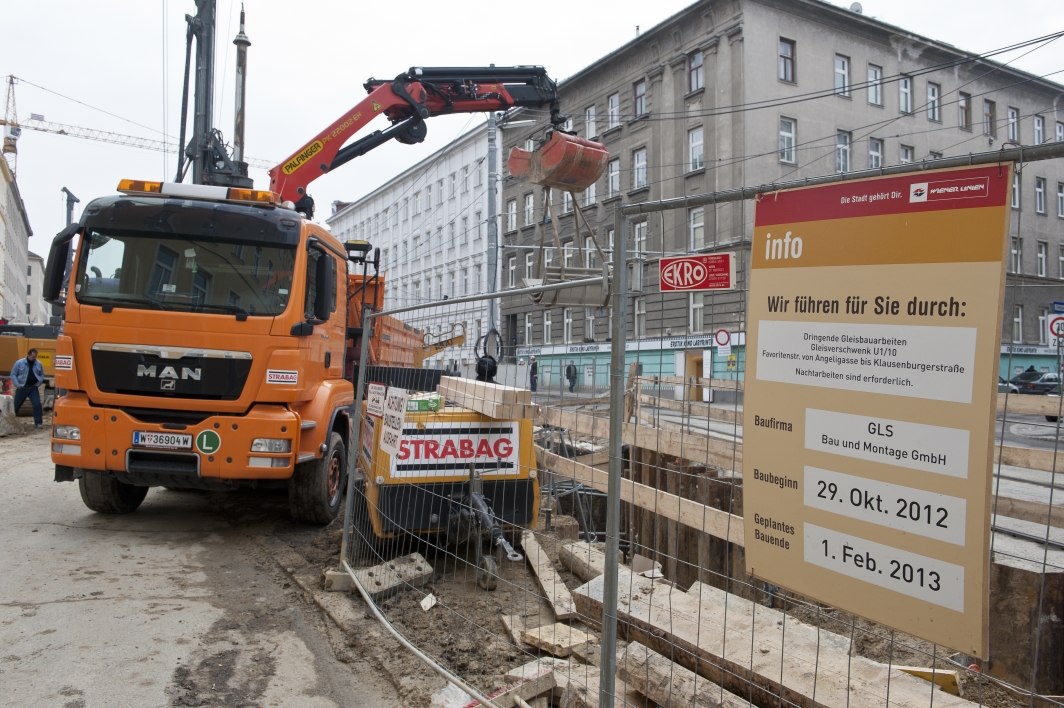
[37,310]
[729,93]
[15,235]
[431,224]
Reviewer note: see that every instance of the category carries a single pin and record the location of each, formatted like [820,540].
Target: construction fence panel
[487,540]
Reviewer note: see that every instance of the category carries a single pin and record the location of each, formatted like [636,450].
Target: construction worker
[570,373]
[533,374]
[27,375]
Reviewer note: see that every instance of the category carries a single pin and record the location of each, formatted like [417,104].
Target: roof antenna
[637,30]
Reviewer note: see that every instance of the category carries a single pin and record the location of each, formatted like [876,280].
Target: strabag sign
[64,363]
[449,449]
[279,376]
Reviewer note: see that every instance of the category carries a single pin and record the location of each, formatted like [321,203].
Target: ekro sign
[711,271]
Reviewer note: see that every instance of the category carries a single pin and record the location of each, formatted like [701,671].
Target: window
[567,254]
[640,317]
[477,221]
[1017,325]
[529,209]
[476,278]
[614,105]
[511,215]
[546,327]
[450,284]
[165,264]
[1016,256]
[905,94]
[439,191]
[875,154]
[697,306]
[450,234]
[589,194]
[415,246]
[933,102]
[1014,124]
[589,121]
[640,98]
[29,287]
[1040,195]
[29,268]
[842,152]
[1039,130]
[569,125]
[842,75]
[1060,263]
[639,171]
[788,128]
[1043,326]
[567,202]
[428,196]
[696,159]
[465,230]
[406,208]
[417,203]
[696,227]
[609,237]
[696,78]
[513,272]
[478,175]
[454,184]
[1060,198]
[906,155]
[439,287]
[787,56]
[589,252]
[613,178]
[529,265]
[1015,190]
[989,118]
[639,239]
[567,325]
[964,110]
[465,178]
[1043,249]
[528,328]
[417,292]
[875,85]
[28,309]
[1060,131]
[589,324]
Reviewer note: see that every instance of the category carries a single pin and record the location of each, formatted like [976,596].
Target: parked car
[1006,387]
[1035,382]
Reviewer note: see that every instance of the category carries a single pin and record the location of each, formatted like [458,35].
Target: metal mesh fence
[485,540]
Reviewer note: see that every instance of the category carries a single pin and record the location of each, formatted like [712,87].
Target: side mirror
[57,260]
[325,282]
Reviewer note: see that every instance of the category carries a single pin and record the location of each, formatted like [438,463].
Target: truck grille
[200,374]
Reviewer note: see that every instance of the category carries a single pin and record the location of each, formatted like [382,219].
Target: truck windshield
[150,271]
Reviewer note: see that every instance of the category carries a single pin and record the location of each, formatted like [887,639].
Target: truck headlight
[66,432]
[271,445]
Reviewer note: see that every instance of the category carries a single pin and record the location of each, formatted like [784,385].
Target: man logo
[169,372]
[168,385]
[918,192]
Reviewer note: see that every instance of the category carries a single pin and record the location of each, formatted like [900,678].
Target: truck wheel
[106,495]
[317,486]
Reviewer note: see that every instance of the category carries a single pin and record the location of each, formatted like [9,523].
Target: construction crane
[12,129]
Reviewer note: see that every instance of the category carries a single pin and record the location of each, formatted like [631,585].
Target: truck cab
[203,347]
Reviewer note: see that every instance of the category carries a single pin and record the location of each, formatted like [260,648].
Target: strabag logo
[278,376]
[64,363]
[450,450]
[301,158]
[968,188]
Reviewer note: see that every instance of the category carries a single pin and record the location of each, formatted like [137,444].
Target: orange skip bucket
[565,162]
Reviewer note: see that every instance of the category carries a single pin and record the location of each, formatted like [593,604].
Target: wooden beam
[719,384]
[1028,457]
[583,559]
[494,392]
[492,409]
[670,685]
[767,658]
[558,639]
[554,588]
[695,447]
[705,410]
[686,511]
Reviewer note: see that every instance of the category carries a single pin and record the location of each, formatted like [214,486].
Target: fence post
[608,671]
[355,436]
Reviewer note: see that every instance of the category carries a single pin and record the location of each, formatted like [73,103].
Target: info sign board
[392,420]
[873,338]
[708,271]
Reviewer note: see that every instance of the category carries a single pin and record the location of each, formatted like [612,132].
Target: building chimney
[242,43]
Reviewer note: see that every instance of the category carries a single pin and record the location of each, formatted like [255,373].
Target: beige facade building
[15,235]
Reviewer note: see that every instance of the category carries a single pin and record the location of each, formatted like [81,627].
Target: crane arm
[407,101]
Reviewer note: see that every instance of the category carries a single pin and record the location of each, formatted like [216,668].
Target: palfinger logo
[301,158]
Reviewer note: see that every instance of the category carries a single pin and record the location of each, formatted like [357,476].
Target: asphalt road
[177,604]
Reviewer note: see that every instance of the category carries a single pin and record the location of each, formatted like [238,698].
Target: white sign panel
[450,449]
[375,399]
[392,420]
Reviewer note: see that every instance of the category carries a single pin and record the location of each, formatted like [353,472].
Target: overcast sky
[308,61]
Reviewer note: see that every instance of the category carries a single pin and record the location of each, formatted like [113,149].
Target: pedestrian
[533,374]
[570,373]
[27,375]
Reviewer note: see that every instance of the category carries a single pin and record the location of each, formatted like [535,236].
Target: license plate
[164,441]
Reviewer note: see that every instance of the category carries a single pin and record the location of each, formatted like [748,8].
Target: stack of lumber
[763,656]
[493,400]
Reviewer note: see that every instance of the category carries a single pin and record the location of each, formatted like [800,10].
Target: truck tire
[317,487]
[106,495]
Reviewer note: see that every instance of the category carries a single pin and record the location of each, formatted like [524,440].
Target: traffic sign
[1056,326]
[208,442]
[722,338]
[1058,307]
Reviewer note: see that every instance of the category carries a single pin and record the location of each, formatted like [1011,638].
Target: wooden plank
[754,651]
[719,384]
[687,511]
[1030,511]
[487,391]
[557,639]
[583,559]
[381,581]
[492,409]
[670,685]
[695,447]
[729,415]
[554,588]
